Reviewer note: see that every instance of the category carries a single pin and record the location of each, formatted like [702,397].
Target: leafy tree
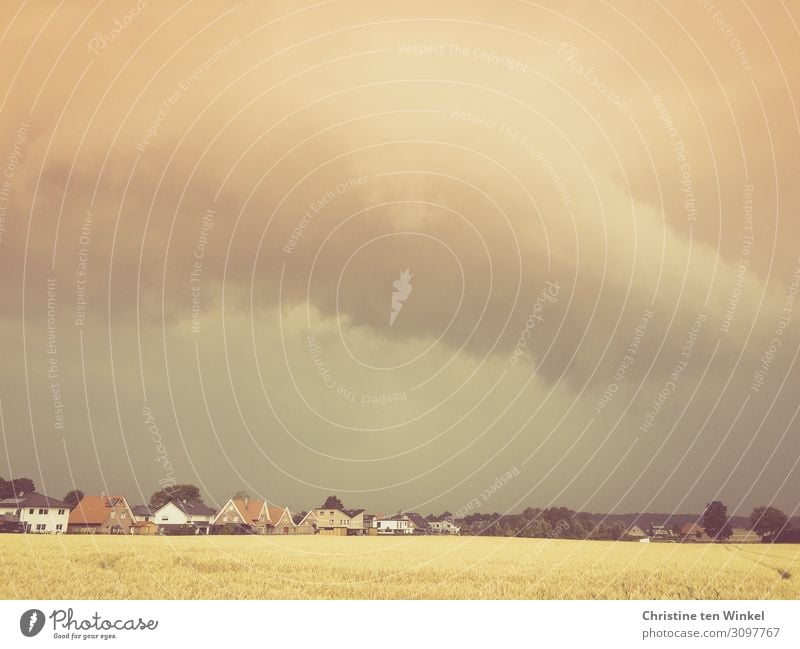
[175,492]
[11,488]
[332,502]
[767,522]
[715,521]
[617,530]
[73,497]
[241,495]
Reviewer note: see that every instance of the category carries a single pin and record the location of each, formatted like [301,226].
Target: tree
[175,492]
[11,488]
[715,521]
[332,502]
[73,497]
[241,495]
[767,522]
[617,530]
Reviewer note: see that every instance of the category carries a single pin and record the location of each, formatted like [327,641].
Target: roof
[249,510]
[692,528]
[141,510]
[193,507]
[34,499]
[352,513]
[418,521]
[275,513]
[93,510]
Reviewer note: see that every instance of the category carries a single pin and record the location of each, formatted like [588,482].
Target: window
[43,511]
[235,519]
[30,512]
[113,514]
[165,518]
[40,527]
[122,515]
[230,508]
[224,519]
[61,512]
[59,527]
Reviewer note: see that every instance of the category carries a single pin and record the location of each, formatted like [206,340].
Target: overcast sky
[205,213]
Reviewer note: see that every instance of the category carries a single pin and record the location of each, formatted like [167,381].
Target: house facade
[306,524]
[142,513]
[398,524]
[340,522]
[242,516]
[101,515]
[37,513]
[692,532]
[176,516]
[444,527]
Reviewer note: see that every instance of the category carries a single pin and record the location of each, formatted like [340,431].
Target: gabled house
[692,532]
[242,516]
[306,524]
[101,515]
[37,513]
[340,522]
[635,533]
[418,524]
[142,513]
[281,521]
[181,516]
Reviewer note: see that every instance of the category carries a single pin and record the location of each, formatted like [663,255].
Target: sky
[451,256]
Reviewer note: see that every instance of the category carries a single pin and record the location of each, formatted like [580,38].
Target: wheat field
[319,567]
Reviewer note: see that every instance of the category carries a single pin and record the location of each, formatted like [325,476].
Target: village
[35,513]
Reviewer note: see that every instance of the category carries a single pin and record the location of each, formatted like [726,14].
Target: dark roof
[195,507]
[351,512]
[34,499]
[418,521]
[141,510]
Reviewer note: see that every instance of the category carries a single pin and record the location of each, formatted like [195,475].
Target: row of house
[113,515]
[688,533]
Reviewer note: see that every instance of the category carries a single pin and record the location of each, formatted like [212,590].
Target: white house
[444,527]
[398,524]
[179,513]
[341,522]
[38,513]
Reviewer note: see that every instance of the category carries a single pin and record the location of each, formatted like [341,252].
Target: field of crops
[317,567]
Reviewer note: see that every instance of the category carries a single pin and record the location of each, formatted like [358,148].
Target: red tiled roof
[93,510]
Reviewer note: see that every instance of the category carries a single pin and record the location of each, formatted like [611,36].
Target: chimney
[246,500]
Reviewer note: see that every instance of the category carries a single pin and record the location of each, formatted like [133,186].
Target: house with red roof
[101,515]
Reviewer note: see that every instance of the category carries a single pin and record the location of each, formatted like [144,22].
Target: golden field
[324,567]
